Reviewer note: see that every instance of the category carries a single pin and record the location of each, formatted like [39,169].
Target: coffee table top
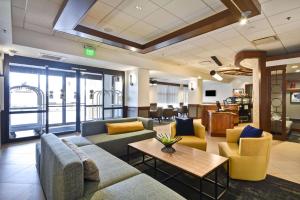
[191,160]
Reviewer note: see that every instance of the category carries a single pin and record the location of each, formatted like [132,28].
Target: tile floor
[19,178]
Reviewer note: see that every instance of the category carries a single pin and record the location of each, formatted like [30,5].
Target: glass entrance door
[91,96]
[27,105]
[61,101]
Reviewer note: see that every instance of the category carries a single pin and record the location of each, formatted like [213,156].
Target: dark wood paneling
[283,56]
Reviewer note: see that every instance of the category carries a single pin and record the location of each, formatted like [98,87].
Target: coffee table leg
[216,183]
[128,154]
[200,188]
[227,184]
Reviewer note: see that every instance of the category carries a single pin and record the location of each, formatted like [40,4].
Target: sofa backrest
[61,171]
[99,126]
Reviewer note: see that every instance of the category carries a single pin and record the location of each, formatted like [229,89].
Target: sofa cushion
[251,132]
[124,127]
[112,169]
[117,144]
[136,188]
[184,126]
[90,169]
[78,140]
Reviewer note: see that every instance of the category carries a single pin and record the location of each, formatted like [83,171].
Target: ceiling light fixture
[139,5]
[298,70]
[215,75]
[244,17]
[294,66]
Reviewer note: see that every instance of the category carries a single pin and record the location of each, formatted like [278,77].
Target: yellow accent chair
[249,159]
[198,141]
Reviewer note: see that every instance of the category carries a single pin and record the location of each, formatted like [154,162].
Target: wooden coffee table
[189,160]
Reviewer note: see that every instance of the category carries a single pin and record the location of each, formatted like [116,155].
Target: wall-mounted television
[210,93]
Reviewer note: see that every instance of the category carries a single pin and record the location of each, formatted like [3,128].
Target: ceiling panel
[281,18]
[216,5]
[164,20]
[129,7]
[161,2]
[89,21]
[113,3]
[143,28]
[18,16]
[42,13]
[188,9]
[37,28]
[117,21]
[19,3]
[277,6]
[99,10]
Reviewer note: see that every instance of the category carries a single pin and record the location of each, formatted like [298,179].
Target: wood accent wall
[136,111]
[195,111]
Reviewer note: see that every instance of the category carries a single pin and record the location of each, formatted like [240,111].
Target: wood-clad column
[261,90]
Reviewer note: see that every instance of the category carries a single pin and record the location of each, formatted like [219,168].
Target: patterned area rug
[271,188]
[294,137]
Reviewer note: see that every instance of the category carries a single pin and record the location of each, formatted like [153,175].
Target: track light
[244,17]
[215,75]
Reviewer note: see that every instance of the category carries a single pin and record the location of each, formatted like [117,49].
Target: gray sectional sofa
[61,175]
[61,170]
[95,131]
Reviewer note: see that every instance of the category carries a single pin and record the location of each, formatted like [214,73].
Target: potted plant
[167,140]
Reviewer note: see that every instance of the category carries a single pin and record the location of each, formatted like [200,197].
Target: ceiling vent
[51,57]
[265,40]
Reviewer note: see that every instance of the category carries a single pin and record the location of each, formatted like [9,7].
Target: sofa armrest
[147,122]
[92,128]
[233,135]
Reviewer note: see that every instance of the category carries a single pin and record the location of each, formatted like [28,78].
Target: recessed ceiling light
[244,17]
[199,77]
[298,70]
[294,67]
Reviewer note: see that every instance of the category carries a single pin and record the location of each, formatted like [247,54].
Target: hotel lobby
[149,99]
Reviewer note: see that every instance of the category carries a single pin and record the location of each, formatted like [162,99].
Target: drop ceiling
[158,17]
[155,19]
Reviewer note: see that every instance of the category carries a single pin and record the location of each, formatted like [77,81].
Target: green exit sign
[89,51]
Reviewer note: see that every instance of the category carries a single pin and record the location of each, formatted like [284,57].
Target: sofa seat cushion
[117,144]
[78,140]
[111,169]
[136,188]
[228,149]
[194,142]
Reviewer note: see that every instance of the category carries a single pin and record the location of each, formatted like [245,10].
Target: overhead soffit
[228,13]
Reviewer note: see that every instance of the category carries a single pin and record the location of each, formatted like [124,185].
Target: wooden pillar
[261,78]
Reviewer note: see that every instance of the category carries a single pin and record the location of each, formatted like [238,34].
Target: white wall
[195,96]
[223,90]
[143,87]
[241,81]
[137,95]
[153,94]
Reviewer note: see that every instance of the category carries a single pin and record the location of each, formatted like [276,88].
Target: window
[167,95]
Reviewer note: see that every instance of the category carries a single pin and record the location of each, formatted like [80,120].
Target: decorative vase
[168,144]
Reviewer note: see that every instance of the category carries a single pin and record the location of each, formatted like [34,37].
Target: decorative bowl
[168,142]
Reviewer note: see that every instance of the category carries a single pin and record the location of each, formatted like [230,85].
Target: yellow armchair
[249,159]
[198,141]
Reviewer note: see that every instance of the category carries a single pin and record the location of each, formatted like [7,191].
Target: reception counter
[205,108]
[219,122]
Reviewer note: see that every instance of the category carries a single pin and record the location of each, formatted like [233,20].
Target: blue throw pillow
[251,132]
[184,127]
